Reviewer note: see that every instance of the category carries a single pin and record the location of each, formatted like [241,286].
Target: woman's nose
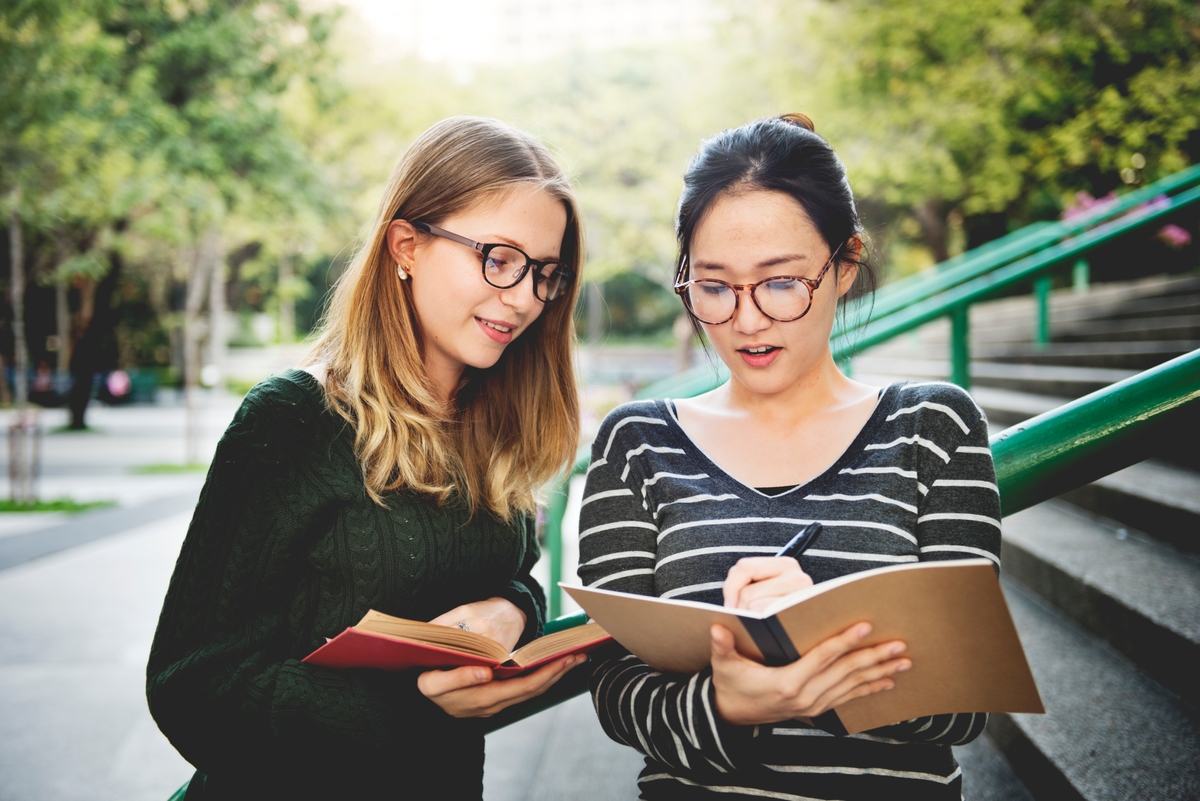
[747,318]
[520,296]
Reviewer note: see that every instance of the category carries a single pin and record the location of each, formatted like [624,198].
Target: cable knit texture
[284,550]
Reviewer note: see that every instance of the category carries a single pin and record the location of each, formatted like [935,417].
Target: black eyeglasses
[504,266]
[784,298]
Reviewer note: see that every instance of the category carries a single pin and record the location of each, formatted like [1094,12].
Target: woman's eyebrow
[771,262]
[500,239]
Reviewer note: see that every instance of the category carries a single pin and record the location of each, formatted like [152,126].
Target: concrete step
[1157,498]
[1110,733]
[1064,313]
[1114,355]
[987,776]
[1169,326]
[1005,407]
[1061,381]
[1136,594]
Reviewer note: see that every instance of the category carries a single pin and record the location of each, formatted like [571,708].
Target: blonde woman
[395,472]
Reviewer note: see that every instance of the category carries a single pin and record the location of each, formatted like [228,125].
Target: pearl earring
[400,272]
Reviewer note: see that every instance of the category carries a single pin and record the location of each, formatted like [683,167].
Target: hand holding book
[951,616]
[837,670]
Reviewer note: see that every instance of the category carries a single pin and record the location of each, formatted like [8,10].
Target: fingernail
[903,666]
[863,630]
[889,686]
[480,675]
[897,649]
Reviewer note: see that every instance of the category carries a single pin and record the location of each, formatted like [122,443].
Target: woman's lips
[492,329]
[760,359]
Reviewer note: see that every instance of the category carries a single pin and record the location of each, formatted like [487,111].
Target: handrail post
[960,346]
[1081,276]
[1041,329]
[556,510]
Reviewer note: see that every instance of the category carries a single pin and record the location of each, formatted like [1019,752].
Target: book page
[560,642]
[670,635]
[454,639]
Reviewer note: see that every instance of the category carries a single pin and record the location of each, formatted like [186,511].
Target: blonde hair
[515,426]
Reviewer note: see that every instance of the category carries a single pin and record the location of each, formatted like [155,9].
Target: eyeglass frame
[484,248]
[813,285]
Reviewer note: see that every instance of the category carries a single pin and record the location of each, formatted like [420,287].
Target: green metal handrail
[1041,458]
[1096,435]
[1019,244]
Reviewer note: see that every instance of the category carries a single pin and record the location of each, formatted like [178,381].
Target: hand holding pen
[757,581]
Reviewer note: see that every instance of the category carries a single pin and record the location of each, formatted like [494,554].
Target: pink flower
[1175,236]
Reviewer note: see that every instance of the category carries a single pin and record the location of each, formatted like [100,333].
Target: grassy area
[60,505]
[239,386]
[157,469]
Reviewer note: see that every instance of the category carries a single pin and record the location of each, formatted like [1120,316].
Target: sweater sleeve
[670,718]
[225,682]
[524,592]
[958,518]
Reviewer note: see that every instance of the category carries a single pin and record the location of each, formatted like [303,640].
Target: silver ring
[462,624]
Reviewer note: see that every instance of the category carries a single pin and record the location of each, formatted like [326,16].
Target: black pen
[801,541]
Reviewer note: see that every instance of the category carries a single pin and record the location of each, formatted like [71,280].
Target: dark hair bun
[799,120]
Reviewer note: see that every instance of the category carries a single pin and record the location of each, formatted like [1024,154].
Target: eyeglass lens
[781,298]
[504,267]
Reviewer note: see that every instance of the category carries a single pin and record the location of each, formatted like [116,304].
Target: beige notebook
[952,615]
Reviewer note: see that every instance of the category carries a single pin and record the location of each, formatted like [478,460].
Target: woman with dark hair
[690,499]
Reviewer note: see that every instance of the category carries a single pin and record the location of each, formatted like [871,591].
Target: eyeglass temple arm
[430,228]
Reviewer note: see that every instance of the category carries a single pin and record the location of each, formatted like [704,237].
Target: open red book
[393,643]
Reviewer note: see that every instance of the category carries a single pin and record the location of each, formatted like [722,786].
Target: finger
[453,617]
[761,594]
[863,683]
[725,655]
[751,569]
[507,692]
[826,652]
[439,682]
[849,670]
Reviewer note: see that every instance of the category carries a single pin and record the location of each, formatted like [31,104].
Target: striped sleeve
[670,718]
[958,518]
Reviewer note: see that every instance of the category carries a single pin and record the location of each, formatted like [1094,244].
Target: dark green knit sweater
[284,550]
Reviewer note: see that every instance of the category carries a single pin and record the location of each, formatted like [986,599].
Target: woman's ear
[848,265]
[402,245]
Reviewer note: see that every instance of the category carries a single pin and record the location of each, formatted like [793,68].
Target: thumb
[436,682]
[722,642]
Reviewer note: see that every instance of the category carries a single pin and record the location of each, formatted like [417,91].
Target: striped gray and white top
[660,518]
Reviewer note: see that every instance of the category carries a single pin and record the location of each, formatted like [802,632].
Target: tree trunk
[595,313]
[20,350]
[933,227]
[287,303]
[22,434]
[197,288]
[87,359]
[62,313]
[218,317]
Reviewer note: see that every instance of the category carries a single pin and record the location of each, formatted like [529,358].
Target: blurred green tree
[979,116]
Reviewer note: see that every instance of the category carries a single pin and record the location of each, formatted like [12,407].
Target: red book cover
[354,648]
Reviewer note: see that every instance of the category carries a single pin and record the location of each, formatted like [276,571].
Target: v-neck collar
[667,408]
